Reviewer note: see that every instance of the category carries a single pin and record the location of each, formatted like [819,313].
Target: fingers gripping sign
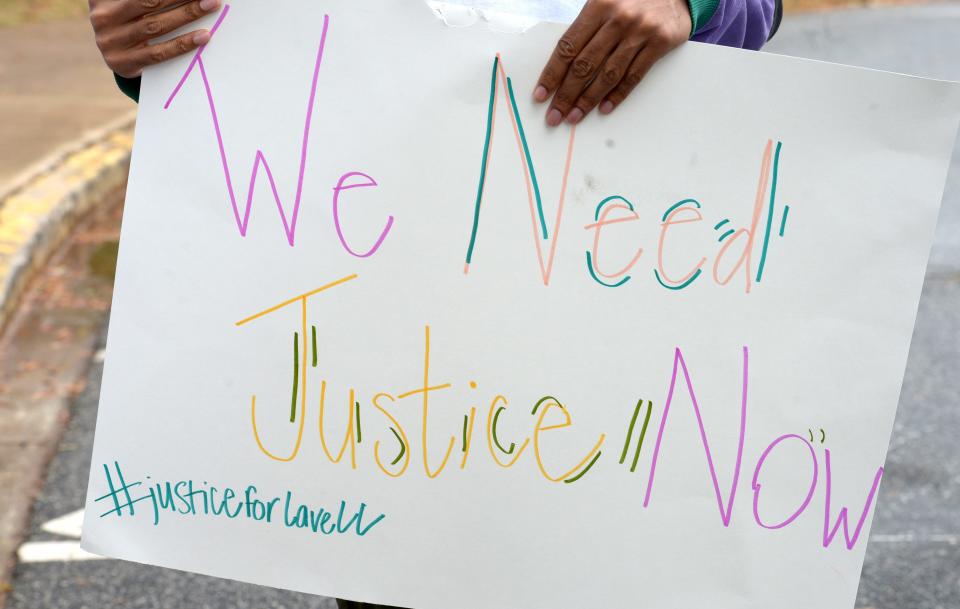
[606,52]
[124,29]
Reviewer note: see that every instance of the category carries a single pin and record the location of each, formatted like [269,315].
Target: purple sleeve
[739,23]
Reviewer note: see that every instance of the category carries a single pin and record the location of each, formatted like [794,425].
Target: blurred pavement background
[53,88]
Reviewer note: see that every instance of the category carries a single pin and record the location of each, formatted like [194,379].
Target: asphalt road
[913,560]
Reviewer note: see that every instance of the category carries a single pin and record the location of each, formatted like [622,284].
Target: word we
[349,180]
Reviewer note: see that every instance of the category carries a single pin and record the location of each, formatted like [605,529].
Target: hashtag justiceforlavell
[189,498]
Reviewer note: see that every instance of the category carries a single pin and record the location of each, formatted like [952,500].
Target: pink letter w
[289,226]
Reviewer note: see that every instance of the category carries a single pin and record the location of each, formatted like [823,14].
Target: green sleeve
[701,11]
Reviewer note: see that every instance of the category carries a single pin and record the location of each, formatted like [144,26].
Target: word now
[549,415]
[349,180]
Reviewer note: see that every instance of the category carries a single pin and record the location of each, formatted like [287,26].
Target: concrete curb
[45,202]
[45,355]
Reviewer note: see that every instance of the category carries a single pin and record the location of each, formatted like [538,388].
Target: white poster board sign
[380,333]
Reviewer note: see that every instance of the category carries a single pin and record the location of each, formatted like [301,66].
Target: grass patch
[103,260]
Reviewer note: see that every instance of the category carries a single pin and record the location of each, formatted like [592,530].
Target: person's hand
[606,52]
[123,29]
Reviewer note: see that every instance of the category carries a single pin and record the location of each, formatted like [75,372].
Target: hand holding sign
[606,53]
[124,29]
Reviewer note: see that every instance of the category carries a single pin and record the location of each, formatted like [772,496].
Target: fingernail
[209,5]
[606,107]
[554,117]
[201,37]
[540,94]
[575,115]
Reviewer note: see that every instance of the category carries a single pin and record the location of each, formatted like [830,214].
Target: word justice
[548,415]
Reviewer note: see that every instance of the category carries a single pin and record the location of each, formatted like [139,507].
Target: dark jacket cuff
[130,86]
